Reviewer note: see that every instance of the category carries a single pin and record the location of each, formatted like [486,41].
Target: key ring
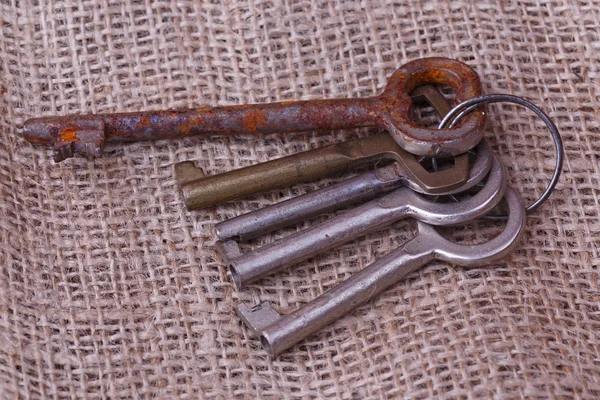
[467,106]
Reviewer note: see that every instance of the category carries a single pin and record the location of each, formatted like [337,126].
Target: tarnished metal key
[401,203]
[201,191]
[87,134]
[351,191]
[278,333]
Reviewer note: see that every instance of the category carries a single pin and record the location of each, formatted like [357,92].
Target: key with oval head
[87,134]
[278,332]
[401,203]
[351,191]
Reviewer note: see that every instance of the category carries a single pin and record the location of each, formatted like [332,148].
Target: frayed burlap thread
[111,289]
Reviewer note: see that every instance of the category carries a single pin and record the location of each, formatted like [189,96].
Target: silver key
[401,203]
[279,332]
[351,191]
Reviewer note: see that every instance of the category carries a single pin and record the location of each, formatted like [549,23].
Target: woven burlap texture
[111,289]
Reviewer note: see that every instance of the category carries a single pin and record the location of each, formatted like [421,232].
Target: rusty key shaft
[70,133]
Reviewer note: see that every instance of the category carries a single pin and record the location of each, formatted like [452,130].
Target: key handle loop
[434,213]
[478,254]
[398,105]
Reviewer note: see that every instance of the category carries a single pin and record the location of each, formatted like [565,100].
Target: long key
[278,333]
[351,191]
[87,134]
[200,191]
[401,203]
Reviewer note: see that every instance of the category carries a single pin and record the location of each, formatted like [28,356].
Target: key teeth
[228,251]
[62,151]
[186,172]
[258,317]
[93,149]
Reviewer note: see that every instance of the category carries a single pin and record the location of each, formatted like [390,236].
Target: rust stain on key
[87,134]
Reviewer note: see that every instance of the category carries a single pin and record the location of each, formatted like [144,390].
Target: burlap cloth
[111,289]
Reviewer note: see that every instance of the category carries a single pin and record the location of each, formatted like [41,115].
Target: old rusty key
[201,190]
[87,134]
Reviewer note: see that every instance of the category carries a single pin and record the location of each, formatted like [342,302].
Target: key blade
[258,317]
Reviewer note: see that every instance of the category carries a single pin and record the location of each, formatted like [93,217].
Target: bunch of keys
[402,188]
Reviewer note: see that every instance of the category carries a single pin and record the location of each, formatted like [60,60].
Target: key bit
[86,139]
[391,111]
[186,172]
[258,317]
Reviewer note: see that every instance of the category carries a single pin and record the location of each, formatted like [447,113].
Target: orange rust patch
[194,120]
[68,135]
[254,120]
[188,122]
[144,121]
[185,129]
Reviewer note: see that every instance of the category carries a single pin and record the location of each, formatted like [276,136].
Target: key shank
[351,191]
[289,329]
[87,134]
[200,191]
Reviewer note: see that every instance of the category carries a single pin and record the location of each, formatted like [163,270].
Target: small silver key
[401,203]
[351,191]
[278,332]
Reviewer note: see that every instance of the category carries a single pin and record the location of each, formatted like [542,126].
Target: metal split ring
[468,106]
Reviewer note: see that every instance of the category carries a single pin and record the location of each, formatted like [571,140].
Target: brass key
[200,191]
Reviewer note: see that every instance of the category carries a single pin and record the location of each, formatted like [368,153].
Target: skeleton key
[351,191]
[87,134]
[401,203]
[278,333]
